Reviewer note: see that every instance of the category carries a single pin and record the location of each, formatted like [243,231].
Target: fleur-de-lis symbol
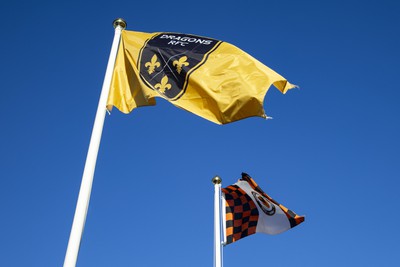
[152,65]
[180,63]
[164,85]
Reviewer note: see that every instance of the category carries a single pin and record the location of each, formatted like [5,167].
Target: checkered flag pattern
[241,214]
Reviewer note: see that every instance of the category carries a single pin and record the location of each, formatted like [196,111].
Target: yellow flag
[210,78]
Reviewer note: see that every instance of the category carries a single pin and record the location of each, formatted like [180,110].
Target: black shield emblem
[167,60]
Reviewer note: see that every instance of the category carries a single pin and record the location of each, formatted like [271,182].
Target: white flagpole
[217,222]
[88,172]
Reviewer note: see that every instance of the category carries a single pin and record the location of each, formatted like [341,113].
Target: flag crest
[168,59]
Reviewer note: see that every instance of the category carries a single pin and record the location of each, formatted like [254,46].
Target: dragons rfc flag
[248,210]
[210,78]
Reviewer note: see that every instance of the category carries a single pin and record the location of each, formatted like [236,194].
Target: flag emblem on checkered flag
[249,210]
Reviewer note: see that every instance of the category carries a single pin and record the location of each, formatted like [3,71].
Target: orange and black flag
[248,210]
[210,78]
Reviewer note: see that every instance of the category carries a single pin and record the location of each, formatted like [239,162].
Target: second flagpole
[217,222]
[82,205]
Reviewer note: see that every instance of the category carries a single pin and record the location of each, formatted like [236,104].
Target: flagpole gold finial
[119,22]
[216,180]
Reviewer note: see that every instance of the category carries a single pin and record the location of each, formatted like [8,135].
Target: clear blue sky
[331,151]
